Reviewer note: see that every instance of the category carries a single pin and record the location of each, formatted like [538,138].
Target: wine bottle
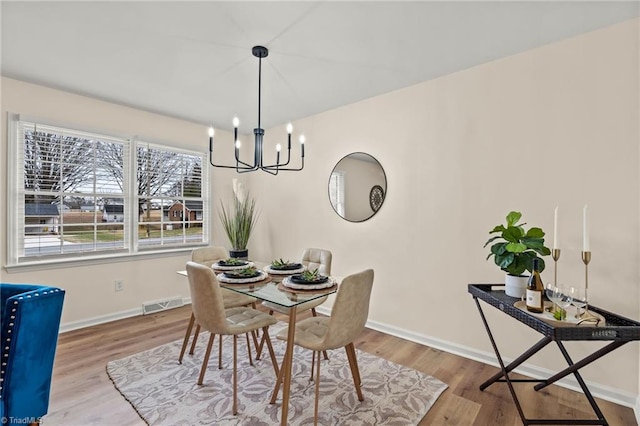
[535,290]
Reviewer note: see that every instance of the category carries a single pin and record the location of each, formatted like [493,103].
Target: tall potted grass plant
[238,221]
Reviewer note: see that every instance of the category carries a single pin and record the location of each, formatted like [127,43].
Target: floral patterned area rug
[164,392]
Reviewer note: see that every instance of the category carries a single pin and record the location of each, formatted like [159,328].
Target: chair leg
[203,369]
[195,339]
[235,373]
[259,347]
[315,413]
[254,306]
[279,380]
[220,353]
[324,353]
[249,350]
[255,336]
[355,371]
[265,334]
[186,338]
[313,363]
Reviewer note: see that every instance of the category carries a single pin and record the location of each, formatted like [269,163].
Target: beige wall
[90,289]
[553,126]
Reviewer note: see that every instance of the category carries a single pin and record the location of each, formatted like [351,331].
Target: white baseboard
[608,393]
[75,325]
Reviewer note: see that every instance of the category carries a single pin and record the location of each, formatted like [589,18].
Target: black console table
[618,330]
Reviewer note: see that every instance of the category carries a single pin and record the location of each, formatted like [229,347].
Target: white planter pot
[516,286]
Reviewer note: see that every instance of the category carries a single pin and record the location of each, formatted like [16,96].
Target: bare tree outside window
[54,164]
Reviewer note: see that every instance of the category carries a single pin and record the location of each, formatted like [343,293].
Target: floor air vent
[161,305]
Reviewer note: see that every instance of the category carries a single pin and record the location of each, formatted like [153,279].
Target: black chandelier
[258,162]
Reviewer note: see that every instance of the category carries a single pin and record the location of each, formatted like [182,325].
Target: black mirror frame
[374,211]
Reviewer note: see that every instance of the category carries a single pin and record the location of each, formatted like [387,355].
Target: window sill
[95,260]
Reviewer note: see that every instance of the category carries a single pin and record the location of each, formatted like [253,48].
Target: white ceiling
[192,60]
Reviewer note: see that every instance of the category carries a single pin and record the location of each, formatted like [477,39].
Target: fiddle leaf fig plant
[516,247]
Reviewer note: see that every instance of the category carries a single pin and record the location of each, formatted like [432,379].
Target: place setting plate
[296,282]
[292,268]
[221,266]
[231,278]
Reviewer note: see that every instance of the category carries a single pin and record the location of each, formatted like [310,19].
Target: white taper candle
[555,228]
[585,230]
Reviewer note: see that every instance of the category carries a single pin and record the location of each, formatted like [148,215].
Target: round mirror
[357,187]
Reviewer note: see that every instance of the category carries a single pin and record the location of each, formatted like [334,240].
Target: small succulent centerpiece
[249,272]
[514,249]
[310,276]
[232,261]
[284,265]
[238,221]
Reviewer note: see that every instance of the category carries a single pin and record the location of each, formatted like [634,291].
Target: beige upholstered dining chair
[209,311]
[312,258]
[208,256]
[348,318]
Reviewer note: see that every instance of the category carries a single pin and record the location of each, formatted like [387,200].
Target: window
[169,179]
[336,191]
[79,194]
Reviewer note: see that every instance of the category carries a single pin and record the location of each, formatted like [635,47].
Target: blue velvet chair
[30,321]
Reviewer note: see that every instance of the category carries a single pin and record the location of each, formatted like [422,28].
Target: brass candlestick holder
[555,254]
[586,258]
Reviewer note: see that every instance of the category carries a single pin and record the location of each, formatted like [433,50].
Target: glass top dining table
[270,292]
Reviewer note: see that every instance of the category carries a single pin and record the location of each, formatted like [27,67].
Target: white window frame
[15,200]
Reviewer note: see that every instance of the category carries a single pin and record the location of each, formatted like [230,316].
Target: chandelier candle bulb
[302,144]
[236,123]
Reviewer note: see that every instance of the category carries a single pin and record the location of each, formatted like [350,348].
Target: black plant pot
[239,254]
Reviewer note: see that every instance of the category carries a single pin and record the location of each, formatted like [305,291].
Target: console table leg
[505,373]
[516,362]
[573,368]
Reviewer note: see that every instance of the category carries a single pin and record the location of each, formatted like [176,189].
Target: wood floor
[82,393]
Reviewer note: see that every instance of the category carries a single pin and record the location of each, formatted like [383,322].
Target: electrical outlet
[119,285]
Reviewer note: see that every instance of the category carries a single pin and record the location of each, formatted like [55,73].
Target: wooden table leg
[288,365]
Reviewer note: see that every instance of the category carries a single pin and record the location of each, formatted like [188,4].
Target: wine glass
[562,297]
[551,293]
[579,298]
